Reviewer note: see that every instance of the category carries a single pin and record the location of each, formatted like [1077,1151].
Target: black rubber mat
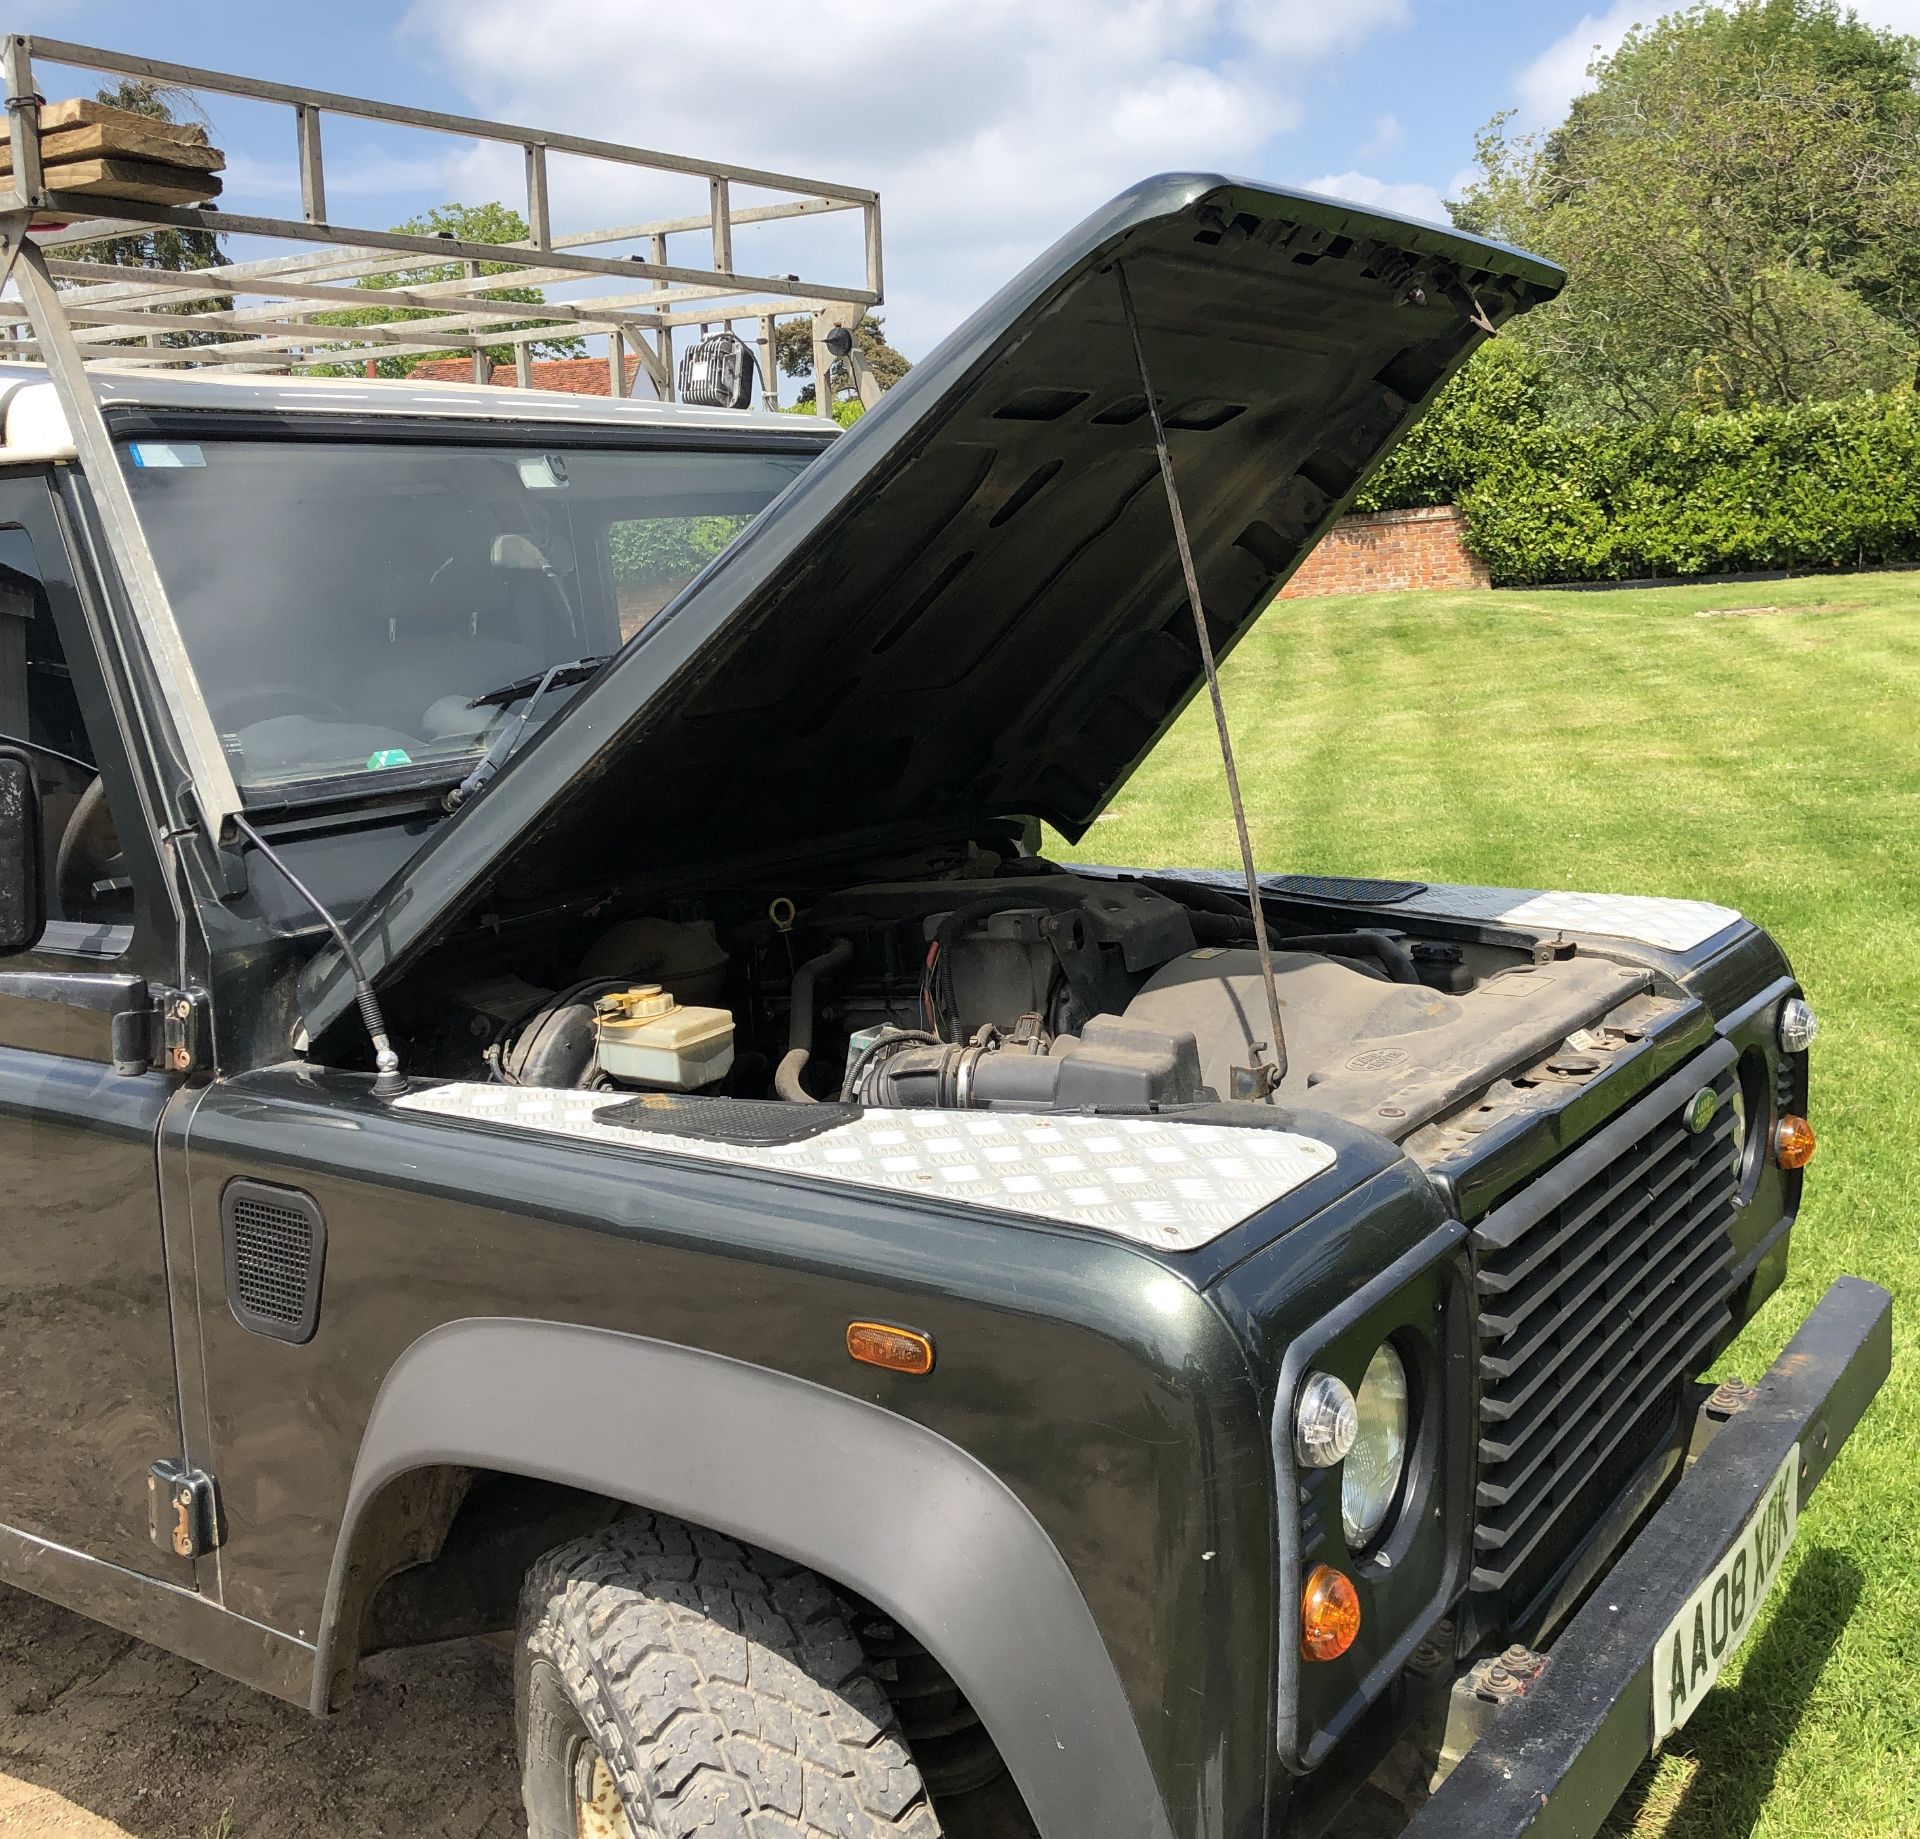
[1341,887]
[750,1123]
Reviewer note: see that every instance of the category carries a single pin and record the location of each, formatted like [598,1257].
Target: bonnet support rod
[1265,1074]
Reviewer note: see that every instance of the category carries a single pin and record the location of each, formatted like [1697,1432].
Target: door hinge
[180,1030]
[183,1510]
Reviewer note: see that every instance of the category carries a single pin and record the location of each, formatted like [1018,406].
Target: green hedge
[1497,397]
[669,549]
[1833,484]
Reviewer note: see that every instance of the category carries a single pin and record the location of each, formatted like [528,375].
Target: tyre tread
[724,1686]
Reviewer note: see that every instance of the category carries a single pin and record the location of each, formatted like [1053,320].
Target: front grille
[1598,1287]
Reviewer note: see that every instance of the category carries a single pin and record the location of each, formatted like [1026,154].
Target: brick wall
[576,376]
[1387,551]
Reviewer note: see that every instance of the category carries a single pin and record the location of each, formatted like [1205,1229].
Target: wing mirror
[23,895]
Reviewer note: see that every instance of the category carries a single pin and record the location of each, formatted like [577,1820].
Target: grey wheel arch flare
[874,1501]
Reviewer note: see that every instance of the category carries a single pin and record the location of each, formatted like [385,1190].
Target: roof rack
[260,314]
[110,304]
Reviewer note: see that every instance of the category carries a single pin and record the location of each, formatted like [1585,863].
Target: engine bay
[1011,983]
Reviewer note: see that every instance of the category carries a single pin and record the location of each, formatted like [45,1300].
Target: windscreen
[369,607]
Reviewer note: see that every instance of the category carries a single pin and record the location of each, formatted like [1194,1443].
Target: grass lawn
[1767,757]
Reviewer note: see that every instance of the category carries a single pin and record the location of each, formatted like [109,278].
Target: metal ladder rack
[103,305]
[117,303]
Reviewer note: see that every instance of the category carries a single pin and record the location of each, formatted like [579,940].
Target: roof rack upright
[104,305]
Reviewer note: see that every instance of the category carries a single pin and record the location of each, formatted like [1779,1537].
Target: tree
[1736,200]
[470,223]
[161,246]
[793,352]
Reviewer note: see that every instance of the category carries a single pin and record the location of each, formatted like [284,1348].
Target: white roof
[36,428]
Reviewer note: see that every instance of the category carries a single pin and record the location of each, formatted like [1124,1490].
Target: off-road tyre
[714,1689]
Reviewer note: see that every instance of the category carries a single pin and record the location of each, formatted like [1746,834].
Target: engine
[1029,987]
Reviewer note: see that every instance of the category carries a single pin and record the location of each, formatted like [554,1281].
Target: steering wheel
[89,853]
[257,703]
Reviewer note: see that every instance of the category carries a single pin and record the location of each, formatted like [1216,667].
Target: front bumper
[1554,1762]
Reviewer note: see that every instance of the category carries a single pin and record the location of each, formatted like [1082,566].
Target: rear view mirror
[518,554]
[23,905]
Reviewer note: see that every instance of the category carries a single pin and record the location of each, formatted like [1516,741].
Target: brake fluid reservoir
[649,1039]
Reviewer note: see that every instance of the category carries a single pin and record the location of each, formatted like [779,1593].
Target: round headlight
[1379,1454]
[1325,1423]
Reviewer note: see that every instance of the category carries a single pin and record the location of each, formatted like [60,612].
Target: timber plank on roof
[140,179]
[82,111]
[102,140]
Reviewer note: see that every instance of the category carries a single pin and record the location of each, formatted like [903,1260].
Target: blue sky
[988,126]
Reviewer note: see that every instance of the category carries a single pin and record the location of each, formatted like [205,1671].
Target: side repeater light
[1793,1142]
[899,1350]
[1329,1614]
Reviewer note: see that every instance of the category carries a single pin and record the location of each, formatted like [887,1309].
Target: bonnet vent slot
[276,1249]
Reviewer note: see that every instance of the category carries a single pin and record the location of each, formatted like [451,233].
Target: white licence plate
[1702,1638]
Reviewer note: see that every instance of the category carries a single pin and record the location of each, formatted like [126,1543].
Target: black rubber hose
[875,1049]
[1221,917]
[1199,897]
[1363,942]
[786,1077]
[1212,928]
[1065,900]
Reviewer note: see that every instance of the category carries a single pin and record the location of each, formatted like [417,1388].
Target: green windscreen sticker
[389,756]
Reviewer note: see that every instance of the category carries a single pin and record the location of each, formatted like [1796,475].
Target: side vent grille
[276,1251]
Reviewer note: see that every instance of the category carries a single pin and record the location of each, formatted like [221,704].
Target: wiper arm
[532,688]
[577,671]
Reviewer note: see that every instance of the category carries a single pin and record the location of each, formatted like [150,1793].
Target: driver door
[88,1398]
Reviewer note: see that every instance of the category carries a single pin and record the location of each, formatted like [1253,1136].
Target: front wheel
[673,1682]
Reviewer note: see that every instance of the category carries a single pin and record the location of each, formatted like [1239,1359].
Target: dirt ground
[103,1737]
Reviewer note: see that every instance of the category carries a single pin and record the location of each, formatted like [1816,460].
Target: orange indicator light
[1329,1614]
[1793,1142]
[899,1350]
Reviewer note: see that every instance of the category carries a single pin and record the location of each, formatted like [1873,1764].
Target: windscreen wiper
[538,683]
[578,670]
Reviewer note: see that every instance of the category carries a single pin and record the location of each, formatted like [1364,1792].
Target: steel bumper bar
[1554,1762]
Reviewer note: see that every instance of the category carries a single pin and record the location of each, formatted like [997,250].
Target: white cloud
[1894,15]
[1410,199]
[1312,28]
[988,126]
[358,178]
[1387,134]
[1559,73]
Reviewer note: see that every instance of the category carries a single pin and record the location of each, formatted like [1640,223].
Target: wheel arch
[874,1501]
